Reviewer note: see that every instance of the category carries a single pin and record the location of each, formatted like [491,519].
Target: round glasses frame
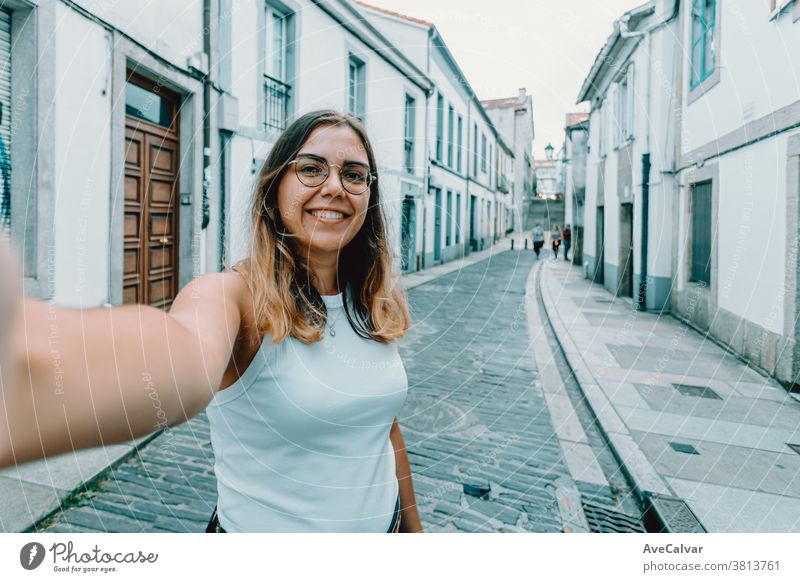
[314,183]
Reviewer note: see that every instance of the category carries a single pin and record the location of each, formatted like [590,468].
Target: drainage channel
[614,508]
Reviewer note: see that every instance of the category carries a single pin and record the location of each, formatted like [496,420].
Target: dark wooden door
[600,243]
[152,153]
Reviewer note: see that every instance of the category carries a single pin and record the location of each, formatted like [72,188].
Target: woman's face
[325,218]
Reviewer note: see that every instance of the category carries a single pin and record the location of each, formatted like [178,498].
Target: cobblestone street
[482,447]
[483,450]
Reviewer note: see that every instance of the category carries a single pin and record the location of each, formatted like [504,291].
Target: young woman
[555,239]
[292,352]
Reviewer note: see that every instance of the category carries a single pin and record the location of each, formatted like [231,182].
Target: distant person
[538,239]
[555,238]
[566,236]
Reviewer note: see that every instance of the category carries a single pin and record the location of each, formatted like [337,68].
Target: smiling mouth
[328,215]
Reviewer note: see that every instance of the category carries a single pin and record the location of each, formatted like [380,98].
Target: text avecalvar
[672,549]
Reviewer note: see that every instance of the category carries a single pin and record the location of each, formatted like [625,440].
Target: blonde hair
[285,302]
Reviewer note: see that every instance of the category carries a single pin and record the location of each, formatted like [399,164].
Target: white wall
[82,113]
[174,30]
[757,57]
[752,233]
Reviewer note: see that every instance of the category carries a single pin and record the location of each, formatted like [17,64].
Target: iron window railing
[276,103]
[409,155]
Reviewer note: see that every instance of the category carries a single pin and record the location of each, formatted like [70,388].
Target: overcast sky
[546,46]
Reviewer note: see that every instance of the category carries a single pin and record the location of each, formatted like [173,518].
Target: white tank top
[301,439]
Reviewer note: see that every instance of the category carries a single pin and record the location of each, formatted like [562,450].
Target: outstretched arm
[74,379]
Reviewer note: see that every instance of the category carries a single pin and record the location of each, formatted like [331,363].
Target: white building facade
[513,117]
[465,208]
[301,56]
[735,249]
[694,170]
[576,151]
[629,181]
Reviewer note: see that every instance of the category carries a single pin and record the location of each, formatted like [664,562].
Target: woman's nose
[333,185]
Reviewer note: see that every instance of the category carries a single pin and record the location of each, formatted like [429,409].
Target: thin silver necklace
[332,325]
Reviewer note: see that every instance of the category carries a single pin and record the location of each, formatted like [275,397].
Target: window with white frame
[277,89]
[625,102]
[474,149]
[459,145]
[703,57]
[356,87]
[483,152]
[601,130]
[408,133]
[439,126]
[450,130]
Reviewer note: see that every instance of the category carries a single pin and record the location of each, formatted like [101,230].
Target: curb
[654,494]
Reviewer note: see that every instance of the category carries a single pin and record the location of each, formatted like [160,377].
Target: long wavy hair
[286,303]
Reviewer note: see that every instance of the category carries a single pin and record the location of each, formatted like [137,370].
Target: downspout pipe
[206,115]
[642,305]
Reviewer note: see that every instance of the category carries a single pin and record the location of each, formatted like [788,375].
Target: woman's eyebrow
[315,156]
[356,162]
[324,159]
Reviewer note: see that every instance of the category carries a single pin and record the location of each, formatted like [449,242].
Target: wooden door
[152,153]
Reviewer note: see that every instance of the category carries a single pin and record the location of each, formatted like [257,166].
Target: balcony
[276,103]
[408,149]
[502,183]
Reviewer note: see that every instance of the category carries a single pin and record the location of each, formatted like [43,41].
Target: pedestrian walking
[538,239]
[566,236]
[291,351]
[555,239]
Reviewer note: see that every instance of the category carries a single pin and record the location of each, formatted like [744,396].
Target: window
[624,121]
[601,130]
[450,130]
[439,126]
[458,218]
[701,233]
[356,87]
[475,150]
[408,133]
[5,124]
[459,147]
[491,163]
[703,24]
[448,218]
[483,153]
[277,90]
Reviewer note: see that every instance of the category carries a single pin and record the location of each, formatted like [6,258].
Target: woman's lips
[327,216]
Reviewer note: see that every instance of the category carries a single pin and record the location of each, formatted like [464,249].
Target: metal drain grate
[684,448]
[697,391]
[606,520]
[671,514]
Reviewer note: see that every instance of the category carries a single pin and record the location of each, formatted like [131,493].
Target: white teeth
[327,214]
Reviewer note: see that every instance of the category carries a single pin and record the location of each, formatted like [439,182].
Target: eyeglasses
[312,172]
